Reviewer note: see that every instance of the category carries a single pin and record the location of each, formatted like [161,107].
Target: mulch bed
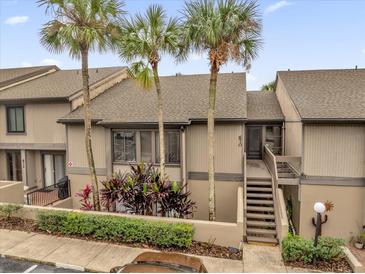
[339,266]
[197,248]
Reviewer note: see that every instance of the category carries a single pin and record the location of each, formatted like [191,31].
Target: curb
[356,266]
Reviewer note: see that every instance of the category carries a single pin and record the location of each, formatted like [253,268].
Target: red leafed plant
[85,198]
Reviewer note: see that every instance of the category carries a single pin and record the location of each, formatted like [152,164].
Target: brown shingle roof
[59,84]
[185,98]
[327,94]
[10,76]
[263,105]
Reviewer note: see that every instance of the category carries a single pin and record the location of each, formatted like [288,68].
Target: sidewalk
[84,255]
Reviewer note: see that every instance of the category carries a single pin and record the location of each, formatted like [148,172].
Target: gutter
[333,120]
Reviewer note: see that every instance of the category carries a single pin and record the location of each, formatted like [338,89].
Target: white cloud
[363,51]
[278,5]
[16,20]
[48,62]
[26,64]
[250,77]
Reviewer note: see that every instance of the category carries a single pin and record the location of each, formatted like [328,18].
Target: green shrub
[119,229]
[9,209]
[296,248]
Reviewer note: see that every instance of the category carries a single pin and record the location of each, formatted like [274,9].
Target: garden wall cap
[185,99]
[337,94]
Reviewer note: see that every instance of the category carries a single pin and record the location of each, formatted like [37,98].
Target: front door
[53,168]
[14,165]
[254,142]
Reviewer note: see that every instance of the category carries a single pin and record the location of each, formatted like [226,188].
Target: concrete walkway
[84,255]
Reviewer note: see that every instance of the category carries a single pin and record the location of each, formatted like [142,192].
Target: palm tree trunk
[87,116]
[160,121]
[211,111]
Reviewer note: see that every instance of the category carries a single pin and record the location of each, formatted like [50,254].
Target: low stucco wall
[11,192]
[225,234]
[226,199]
[77,183]
[66,203]
[344,221]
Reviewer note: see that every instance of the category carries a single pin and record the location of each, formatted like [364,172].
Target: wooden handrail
[244,193]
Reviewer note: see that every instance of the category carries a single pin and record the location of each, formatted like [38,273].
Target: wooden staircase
[260,212]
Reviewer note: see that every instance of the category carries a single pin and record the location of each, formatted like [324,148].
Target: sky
[297,34]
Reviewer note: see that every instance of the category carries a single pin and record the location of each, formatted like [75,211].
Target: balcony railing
[50,194]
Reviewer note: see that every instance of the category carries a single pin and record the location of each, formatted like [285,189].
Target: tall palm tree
[145,38]
[268,86]
[229,30]
[81,26]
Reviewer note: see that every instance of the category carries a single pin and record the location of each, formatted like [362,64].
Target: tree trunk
[160,121]
[87,122]
[211,111]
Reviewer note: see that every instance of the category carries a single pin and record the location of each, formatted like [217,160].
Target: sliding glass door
[14,166]
[53,168]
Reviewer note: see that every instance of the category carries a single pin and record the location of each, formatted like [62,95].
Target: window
[273,138]
[143,145]
[172,147]
[15,119]
[146,146]
[124,143]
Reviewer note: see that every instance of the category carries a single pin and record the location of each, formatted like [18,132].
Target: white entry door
[54,168]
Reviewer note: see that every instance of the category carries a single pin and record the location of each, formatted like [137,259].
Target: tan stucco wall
[77,150]
[66,203]
[11,192]
[3,169]
[40,124]
[334,150]
[293,125]
[78,182]
[344,221]
[225,234]
[228,149]
[226,199]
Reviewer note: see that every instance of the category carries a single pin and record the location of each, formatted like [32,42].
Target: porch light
[319,207]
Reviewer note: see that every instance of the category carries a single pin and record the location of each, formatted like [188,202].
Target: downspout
[183,159]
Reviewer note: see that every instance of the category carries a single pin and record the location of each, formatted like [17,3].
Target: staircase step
[260,216]
[261,231]
[262,239]
[287,175]
[259,183]
[259,195]
[259,202]
[261,223]
[261,189]
[260,208]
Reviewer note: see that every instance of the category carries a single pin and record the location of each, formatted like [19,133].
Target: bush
[9,209]
[296,248]
[118,229]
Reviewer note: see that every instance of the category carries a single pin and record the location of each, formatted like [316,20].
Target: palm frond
[142,73]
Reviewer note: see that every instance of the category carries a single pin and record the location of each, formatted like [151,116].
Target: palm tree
[269,86]
[145,38]
[81,26]
[229,30]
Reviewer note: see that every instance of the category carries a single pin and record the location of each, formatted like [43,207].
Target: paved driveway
[20,266]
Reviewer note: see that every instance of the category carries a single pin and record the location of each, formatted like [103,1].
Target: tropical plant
[85,198]
[81,26]
[142,192]
[8,210]
[145,38]
[269,86]
[229,30]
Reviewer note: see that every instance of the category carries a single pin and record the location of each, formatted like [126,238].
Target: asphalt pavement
[19,266]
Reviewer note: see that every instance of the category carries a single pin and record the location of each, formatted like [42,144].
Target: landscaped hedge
[296,248]
[118,229]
